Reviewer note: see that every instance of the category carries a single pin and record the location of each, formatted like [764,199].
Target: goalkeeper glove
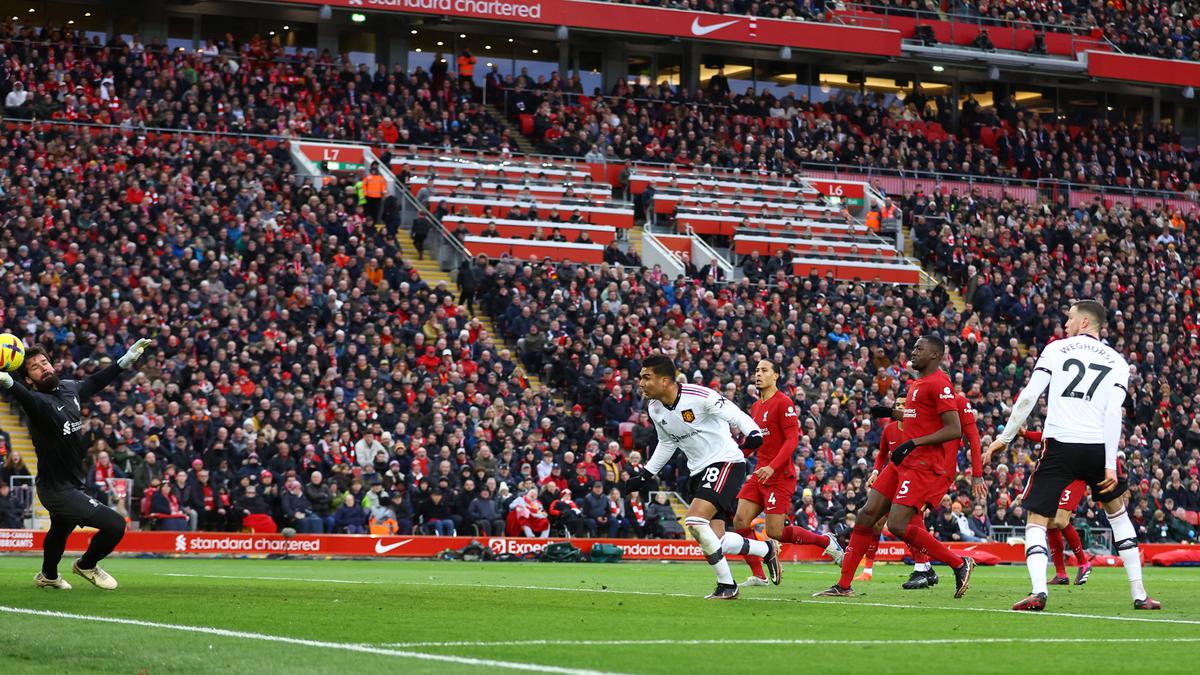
[902,451]
[638,480]
[6,380]
[753,440]
[135,352]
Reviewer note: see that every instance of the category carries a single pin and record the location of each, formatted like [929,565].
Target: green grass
[391,605]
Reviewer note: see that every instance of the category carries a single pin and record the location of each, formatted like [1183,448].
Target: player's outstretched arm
[105,377]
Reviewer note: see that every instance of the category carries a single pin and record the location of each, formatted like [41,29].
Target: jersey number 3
[1080,372]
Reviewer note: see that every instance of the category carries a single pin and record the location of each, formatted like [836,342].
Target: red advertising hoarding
[637,19]
[370,546]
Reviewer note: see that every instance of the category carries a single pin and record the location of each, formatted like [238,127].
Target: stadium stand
[294,336]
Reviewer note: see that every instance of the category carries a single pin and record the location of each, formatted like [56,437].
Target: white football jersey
[1084,373]
[698,424]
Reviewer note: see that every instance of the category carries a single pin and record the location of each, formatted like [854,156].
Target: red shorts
[917,487]
[775,497]
[885,483]
[1072,495]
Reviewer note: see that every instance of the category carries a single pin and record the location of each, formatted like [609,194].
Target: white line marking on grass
[231,576]
[782,641]
[805,601]
[345,646]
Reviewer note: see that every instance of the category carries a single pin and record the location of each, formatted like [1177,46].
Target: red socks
[919,557]
[1054,539]
[872,548]
[861,539]
[1072,537]
[755,562]
[798,535]
[921,542]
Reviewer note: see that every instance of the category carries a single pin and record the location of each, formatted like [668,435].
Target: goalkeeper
[53,415]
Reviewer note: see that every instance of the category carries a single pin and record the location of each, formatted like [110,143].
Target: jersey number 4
[1080,372]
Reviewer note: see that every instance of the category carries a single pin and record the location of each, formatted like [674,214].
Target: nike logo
[697,29]
[60,408]
[381,548]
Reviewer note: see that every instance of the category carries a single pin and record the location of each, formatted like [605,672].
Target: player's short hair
[937,341]
[1089,308]
[774,366]
[31,352]
[660,365]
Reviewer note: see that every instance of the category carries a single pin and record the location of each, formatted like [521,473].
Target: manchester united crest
[688,416]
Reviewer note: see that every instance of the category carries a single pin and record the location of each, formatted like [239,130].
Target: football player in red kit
[923,575]
[770,488]
[1061,528]
[916,476]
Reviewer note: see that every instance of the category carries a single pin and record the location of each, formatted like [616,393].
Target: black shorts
[69,504]
[1062,464]
[719,484]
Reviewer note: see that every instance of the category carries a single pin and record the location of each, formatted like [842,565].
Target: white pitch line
[839,603]
[782,641]
[231,576]
[345,646]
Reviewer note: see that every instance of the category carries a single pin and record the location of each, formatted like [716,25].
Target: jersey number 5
[1080,371]
[903,489]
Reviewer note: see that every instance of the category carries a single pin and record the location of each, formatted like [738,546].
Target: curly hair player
[53,414]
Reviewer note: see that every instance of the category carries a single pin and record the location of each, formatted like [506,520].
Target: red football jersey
[780,426]
[892,436]
[928,397]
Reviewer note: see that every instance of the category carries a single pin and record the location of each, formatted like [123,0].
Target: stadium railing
[23,495]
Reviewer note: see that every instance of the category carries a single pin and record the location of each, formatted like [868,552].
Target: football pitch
[308,616]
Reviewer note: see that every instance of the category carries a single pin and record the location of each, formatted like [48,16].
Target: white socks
[710,544]
[1125,536]
[1037,556]
[735,544]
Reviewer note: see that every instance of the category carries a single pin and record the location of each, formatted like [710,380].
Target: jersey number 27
[1080,372]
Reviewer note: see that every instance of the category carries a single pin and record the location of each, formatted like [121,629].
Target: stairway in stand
[433,274]
[21,442]
[524,145]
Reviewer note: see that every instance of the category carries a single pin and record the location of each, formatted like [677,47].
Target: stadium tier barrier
[524,229]
[600,215]
[523,249]
[747,244]
[728,224]
[420,546]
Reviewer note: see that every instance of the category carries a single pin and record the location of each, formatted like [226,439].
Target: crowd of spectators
[243,87]
[759,132]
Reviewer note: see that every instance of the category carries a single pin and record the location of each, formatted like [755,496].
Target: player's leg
[777,508]
[747,511]
[1053,473]
[53,547]
[110,529]
[917,489]
[1125,536]
[922,575]
[1054,542]
[869,555]
[861,537]
[1085,564]
[698,523]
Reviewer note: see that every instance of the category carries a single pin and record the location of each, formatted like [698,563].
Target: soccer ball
[12,352]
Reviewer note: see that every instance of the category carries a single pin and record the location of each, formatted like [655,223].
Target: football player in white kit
[1087,381]
[696,420]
